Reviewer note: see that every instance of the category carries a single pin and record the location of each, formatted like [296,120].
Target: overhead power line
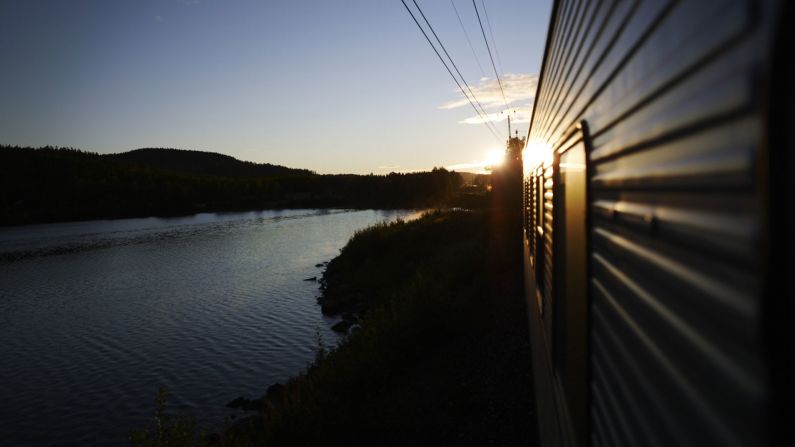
[490,56]
[450,58]
[493,40]
[471,47]
[485,120]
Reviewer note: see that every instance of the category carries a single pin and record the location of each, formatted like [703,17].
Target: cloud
[396,169]
[475,167]
[478,165]
[519,114]
[404,170]
[519,89]
[158,19]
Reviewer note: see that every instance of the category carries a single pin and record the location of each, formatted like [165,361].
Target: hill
[52,184]
[201,163]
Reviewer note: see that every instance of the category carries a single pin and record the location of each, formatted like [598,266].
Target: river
[96,315]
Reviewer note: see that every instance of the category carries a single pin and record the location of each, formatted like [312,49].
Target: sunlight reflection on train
[535,153]
[573,166]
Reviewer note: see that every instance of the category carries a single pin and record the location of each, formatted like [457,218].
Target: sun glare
[494,158]
[536,153]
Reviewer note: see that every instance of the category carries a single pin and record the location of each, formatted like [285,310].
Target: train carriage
[656,192]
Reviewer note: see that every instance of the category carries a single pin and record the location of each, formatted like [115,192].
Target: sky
[334,86]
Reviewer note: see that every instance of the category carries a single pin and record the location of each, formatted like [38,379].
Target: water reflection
[94,316]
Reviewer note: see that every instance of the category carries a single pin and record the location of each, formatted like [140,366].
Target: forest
[61,184]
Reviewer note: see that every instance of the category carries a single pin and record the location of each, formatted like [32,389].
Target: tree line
[60,184]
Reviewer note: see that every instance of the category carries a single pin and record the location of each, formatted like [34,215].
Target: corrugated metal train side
[647,224]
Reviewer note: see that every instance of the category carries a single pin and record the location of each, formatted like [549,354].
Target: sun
[494,158]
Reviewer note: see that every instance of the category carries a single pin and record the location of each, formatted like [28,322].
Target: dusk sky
[345,86]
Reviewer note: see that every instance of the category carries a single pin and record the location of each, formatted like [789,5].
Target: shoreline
[438,340]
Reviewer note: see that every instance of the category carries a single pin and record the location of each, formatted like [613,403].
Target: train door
[570,304]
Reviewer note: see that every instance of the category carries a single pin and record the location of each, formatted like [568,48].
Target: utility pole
[515,144]
[507,180]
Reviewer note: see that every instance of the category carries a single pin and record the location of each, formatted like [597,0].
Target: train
[658,251]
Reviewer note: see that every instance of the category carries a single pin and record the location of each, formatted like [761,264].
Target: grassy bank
[414,285]
[439,353]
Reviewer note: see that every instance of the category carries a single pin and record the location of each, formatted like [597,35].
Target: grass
[168,430]
[417,282]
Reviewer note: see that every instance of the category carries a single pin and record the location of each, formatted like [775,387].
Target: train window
[527,212]
[538,231]
[570,304]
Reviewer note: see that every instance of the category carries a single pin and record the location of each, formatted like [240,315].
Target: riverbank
[438,352]
[441,356]
[209,307]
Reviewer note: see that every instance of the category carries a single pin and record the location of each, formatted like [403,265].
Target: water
[94,316]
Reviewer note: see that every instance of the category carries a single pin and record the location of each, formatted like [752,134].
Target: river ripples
[94,316]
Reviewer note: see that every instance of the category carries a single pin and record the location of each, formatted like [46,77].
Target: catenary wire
[455,67]
[448,69]
[490,56]
[493,40]
[471,47]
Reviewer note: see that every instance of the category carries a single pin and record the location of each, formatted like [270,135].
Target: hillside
[50,184]
[201,163]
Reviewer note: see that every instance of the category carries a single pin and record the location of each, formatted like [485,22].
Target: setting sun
[494,158]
